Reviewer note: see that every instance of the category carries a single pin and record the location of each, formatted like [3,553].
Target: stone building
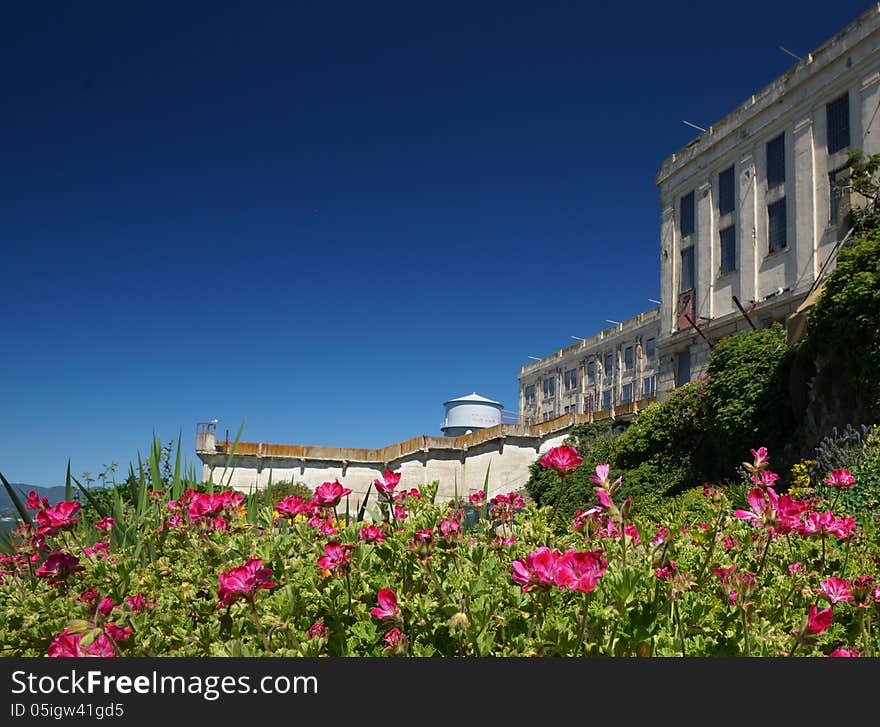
[611,374]
[752,211]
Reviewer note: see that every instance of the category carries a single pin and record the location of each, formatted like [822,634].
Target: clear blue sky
[325,219]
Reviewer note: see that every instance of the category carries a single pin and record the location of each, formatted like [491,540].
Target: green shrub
[746,398]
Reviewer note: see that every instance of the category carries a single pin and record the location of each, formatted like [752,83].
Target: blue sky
[325,219]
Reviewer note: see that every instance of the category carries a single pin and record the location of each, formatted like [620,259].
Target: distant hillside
[7,508]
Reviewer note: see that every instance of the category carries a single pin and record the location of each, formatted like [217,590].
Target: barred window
[837,117]
[627,394]
[776,162]
[549,388]
[726,191]
[570,379]
[649,389]
[776,226]
[728,249]
[606,399]
[609,364]
[650,348]
[591,372]
[687,268]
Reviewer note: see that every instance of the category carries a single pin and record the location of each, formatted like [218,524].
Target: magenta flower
[730,543]
[795,567]
[724,573]
[766,478]
[422,543]
[823,524]
[538,570]
[840,479]
[58,566]
[36,503]
[835,590]
[330,493]
[105,606]
[337,557]
[118,633]
[667,572]
[388,609]
[760,457]
[477,499]
[563,460]
[290,506]
[763,512]
[136,603]
[57,518]
[388,483]
[318,631]
[450,527]
[371,534]
[501,542]
[818,621]
[397,643]
[106,524]
[502,507]
[101,547]
[67,644]
[846,653]
[243,582]
[579,571]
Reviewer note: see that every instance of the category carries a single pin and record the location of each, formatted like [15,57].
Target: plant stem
[348,587]
[677,617]
[745,620]
[585,633]
[764,556]
[259,627]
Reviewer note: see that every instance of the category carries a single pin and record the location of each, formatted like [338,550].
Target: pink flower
[660,537]
[823,524]
[67,644]
[795,567]
[840,479]
[724,573]
[118,633]
[57,518]
[835,590]
[666,572]
[604,500]
[330,493]
[290,506]
[563,460]
[818,621]
[338,557]
[422,543]
[501,542]
[579,571]
[105,524]
[763,510]
[243,582]
[136,602]
[388,483]
[58,566]
[318,631]
[841,652]
[860,588]
[371,534]
[765,478]
[729,543]
[106,606]
[397,643]
[387,610]
[450,527]
[538,570]
[760,457]
[478,499]
[36,503]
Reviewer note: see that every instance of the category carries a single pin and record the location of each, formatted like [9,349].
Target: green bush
[746,398]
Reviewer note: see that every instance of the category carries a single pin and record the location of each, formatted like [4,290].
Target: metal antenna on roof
[785,50]
[699,128]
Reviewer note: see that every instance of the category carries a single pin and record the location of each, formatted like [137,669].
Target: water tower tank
[469,413]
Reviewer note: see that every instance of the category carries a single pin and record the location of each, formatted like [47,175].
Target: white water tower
[469,413]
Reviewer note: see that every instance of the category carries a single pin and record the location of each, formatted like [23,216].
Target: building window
[683,372]
[627,394]
[686,217]
[687,269]
[570,380]
[591,372]
[776,162]
[837,186]
[606,399]
[629,357]
[776,230]
[728,249]
[529,393]
[726,192]
[650,348]
[837,116]
[609,365]
[549,388]
[649,387]
[588,404]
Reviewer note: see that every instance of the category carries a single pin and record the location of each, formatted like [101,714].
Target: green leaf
[94,503]
[13,495]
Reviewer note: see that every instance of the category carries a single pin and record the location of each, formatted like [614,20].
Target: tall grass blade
[88,495]
[68,487]
[16,500]
[176,484]
[231,454]
[363,508]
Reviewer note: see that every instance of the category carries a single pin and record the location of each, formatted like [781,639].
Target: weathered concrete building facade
[608,375]
[753,209]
